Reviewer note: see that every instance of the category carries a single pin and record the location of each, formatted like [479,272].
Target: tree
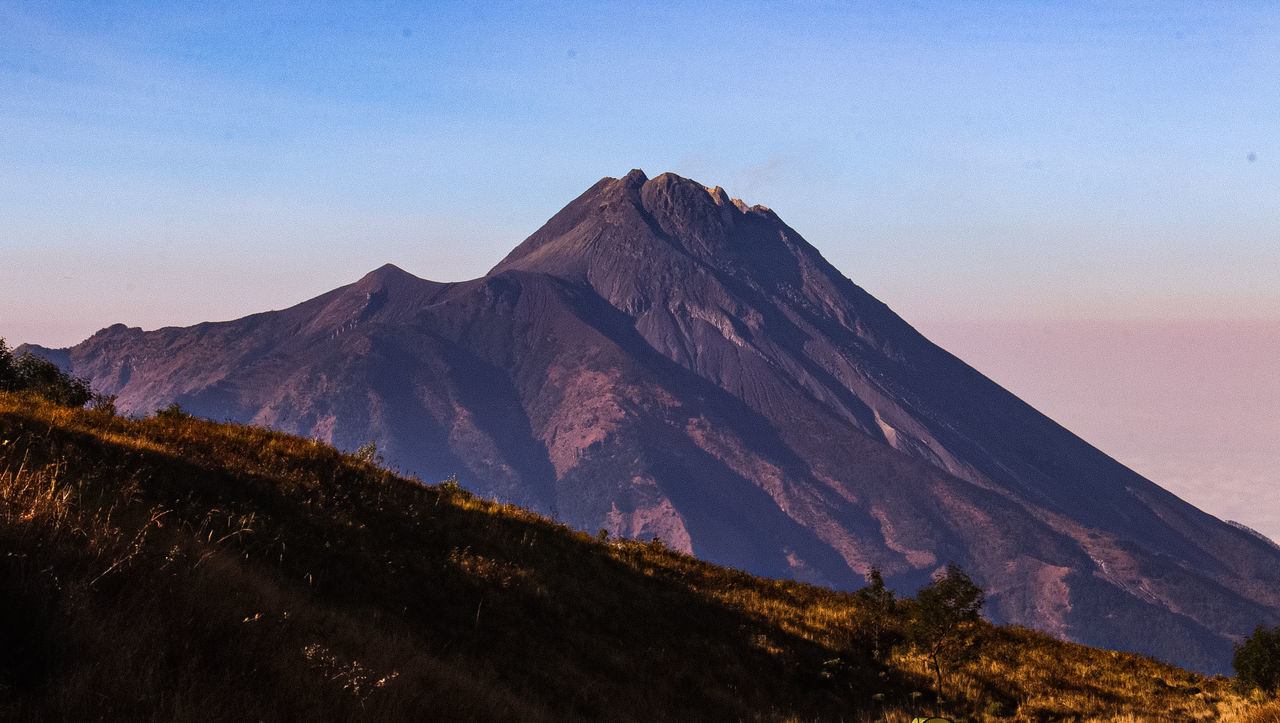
[944,616]
[44,379]
[41,377]
[877,600]
[1257,660]
[6,368]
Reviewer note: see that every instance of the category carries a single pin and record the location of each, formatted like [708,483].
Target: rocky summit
[662,360]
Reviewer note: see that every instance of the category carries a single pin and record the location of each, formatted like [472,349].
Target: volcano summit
[662,360]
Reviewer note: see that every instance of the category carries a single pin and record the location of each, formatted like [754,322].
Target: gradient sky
[170,163]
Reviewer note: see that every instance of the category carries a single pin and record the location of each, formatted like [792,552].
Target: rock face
[662,360]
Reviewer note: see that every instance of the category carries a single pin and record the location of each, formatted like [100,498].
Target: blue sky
[168,163]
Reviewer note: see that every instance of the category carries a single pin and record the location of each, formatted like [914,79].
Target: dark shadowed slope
[176,569]
[660,359]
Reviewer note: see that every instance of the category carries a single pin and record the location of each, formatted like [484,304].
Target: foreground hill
[662,360]
[176,569]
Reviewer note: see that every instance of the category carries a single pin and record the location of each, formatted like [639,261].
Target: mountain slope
[178,569]
[659,359]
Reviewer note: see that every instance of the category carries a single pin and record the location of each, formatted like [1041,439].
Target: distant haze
[1192,406]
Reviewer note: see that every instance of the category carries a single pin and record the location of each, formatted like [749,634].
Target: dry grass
[178,569]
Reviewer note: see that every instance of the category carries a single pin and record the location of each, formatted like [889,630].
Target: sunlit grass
[179,569]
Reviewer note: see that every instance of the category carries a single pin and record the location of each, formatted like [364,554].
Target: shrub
[369,453]
[104,403]
[451,487]
[173,411]
[6,367]
[34,375]
[1257,660]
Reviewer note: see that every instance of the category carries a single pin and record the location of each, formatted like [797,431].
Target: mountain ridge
[658,359]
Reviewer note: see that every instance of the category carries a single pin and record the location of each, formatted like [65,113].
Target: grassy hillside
[178,569]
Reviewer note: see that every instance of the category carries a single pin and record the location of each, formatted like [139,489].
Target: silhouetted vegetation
[881,607]
[172,411]
[30,374]
[1257,660]
[172,568]
[944,619]
[370,453]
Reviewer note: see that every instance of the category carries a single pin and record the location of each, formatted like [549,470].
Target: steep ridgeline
[660,359]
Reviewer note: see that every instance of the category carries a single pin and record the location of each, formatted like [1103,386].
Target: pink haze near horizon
[1194,406]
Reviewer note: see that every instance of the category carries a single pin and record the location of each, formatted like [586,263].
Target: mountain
[661,360]
[176,569]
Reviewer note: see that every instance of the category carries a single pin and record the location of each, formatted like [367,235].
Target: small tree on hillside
[34,375]
[1257,660]
[877,600]
[944,617]
[6,368]
[45,379]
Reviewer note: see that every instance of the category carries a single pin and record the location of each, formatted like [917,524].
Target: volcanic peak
[635,224]
[658,359]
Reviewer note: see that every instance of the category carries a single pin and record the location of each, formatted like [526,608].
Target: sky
[966,162]
[1189,404]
